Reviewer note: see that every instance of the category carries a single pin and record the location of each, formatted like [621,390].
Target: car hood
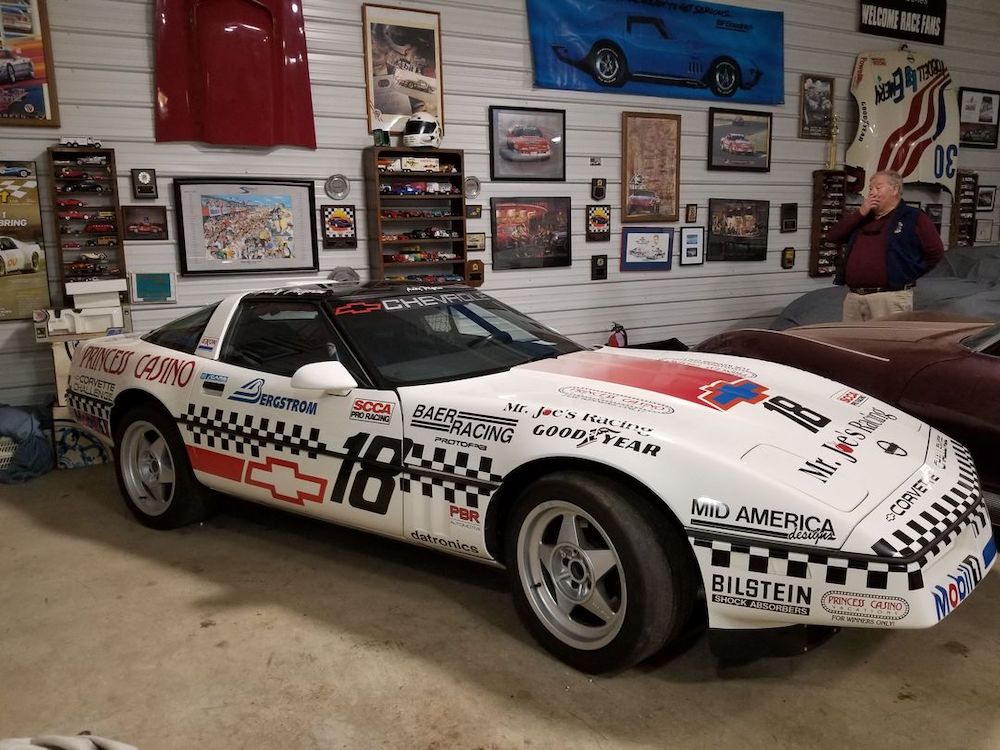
[873,335]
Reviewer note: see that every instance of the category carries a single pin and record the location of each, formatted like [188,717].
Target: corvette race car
[736,143]
[612,484]
[16,255]
[526,142]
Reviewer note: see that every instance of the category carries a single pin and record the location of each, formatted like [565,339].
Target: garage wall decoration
[23,284]
[233,73]
[689,50]
[26,65]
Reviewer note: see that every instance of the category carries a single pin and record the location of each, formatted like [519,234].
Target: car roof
[339,290]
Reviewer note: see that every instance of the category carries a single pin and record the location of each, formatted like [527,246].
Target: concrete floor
[260,629]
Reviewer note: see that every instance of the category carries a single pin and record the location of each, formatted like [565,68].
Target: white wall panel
[103,54]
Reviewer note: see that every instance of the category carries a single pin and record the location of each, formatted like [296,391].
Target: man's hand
[870,203]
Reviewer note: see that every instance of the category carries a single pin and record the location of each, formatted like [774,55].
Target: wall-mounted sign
[916,20]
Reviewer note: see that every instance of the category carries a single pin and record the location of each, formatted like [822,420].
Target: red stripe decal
[219,464]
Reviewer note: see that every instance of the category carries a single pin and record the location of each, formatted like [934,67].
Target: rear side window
[182,334]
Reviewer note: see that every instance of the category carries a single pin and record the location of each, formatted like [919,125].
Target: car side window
[183,334]
[281,336]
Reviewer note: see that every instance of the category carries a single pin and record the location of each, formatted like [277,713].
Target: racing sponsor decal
[715,514]
[851,398]
[844,443]
[603,436]
[620,400]
[725,367]
[431,300]
[207,344]
[166,370]
[725,394]
[106,360]
[357,308]
[440,542]
[102,390]
[211,377]
[960,584]
[939,451]
[285,481]
[864,609]
[366,410]
[758,593]
[590,417]
[905,501]
[254,393]
[460,443]
[891,448]
[466,517]
[464,424]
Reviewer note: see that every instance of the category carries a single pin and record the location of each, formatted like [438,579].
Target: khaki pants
[860,307]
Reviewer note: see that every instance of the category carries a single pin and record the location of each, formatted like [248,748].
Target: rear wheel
[10,73]
[607,65]
[724,77]
[594,581]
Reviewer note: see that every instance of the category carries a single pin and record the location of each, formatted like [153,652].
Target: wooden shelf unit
[829,197]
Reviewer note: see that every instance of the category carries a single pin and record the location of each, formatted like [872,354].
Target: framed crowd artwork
[737,229]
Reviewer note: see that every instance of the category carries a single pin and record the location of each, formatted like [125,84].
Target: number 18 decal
[370,469]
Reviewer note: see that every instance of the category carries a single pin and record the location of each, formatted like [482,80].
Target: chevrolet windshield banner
[916,20]
[686,50]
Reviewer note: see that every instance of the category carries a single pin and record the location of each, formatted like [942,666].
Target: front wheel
[35,263]
[595,582]
[724,78]
[10,73]
[607,65]
[153,471]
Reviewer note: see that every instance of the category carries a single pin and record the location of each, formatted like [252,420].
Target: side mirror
[331,377]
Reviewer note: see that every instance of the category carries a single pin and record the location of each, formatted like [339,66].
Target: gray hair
[893,177]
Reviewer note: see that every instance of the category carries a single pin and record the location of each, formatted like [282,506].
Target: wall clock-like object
[143,183]
[337,187]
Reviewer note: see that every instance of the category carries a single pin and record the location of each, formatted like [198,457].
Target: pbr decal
[619,400]
[285,481]
[859,608]
[102,390]
[466,517]
[254,393]
[959,585]
[758,593]
[714,514]
[464,424]
[365,410]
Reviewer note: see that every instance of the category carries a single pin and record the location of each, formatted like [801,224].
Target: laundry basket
[7,448]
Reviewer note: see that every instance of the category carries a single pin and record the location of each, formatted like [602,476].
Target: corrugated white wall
[103,52]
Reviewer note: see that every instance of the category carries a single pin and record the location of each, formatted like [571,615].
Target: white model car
[16,255]
[613,484]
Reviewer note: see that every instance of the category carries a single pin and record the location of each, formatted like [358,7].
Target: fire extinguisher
[619,336]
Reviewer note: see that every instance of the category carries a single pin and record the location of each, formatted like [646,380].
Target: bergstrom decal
[619,400]
[864,608]
[253,393]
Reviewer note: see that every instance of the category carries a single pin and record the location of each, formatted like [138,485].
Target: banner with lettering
[916,20]
[24,287]
[908,120]
[668,48]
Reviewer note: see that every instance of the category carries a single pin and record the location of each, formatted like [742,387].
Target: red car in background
[70,202]
[526,142]
[736,143]
[144,228]
[642,202]
[946,373]
[99,226]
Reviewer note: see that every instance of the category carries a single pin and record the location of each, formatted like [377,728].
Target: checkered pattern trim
[839,571]
[18,188]
[462,465]
[91,406]
[230,431]
[918,532]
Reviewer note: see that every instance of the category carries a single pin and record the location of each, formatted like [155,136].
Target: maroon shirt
[866,265]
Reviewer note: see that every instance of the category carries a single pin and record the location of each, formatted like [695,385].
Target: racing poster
[915,20]
[27,95]
[24,285]
[908,120]
[667,48]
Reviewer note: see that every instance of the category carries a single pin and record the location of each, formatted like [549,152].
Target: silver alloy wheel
[607,63]
[725,77]
[572,575]
[147,468]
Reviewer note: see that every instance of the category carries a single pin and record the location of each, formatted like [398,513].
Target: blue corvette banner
[687,50]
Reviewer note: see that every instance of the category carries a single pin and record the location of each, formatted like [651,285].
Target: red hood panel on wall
[233,72]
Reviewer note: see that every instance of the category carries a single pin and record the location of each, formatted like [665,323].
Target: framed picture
[912,204]
[229,225]
[737,229]
[986,197]
[816,106]
[647,248]
[530,232]
[984,230]
[145,222]
[147,288]
[475,241]
[936,213]
[789,217]
[144,183]
[23,244]
[978,112]
[473,211]
[339,227]
[691,213]
[402,65]
[692,246]
[739,140]
[26,60]
[651,166]
[527,144]
[599,223]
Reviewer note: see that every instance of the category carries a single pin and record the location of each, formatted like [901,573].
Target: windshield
[985,340]
[432,337]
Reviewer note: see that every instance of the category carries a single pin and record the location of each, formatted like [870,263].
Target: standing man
[889,246]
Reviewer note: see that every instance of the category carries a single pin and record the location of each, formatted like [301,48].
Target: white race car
[16,255]
[613,484]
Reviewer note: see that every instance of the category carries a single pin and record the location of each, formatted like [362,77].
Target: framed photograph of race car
[402,66]
[978,113]
[739,140]
[527,144]
[229,225]
[986,197]
[737,229]
[692,246]
[145,222]
[530,232]
[339,229]
[816,106]
[651,167]
[647,248]
[26,69]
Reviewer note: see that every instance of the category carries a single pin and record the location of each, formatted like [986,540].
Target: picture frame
[403,71]
[788,258]
[691,248]
[144,222]
[986,197]
[737,229]
[244,225]
[789,217]
[739,140]
[527,144]
[651,167]
[984,231]
[339,226]
[978,118]
[647,248]
[599,223]
[530,232]
[475,241]
[473,211]
[912,204]
[21,209]
[153,288]
[27,48]
[816,97]
[691,213]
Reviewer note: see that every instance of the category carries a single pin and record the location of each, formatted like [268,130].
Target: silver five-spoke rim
[607,64]
[725,77]
[572,575]
[147,468]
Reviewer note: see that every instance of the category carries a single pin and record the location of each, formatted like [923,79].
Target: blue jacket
[905,262]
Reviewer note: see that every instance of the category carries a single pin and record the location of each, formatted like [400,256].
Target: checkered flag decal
[427,481]
[82,404]
[216,428]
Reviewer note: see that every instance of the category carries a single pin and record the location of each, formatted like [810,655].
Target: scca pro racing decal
[365,410]
[254,393]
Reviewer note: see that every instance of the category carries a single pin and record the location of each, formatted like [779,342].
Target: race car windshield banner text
[669,48]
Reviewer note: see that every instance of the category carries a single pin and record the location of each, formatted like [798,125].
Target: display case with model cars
[87,213]
[963,209]
[416,214]
[829,199]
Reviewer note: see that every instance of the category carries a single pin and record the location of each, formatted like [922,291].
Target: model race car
[736,143]
[16,255]
[614,485]
[10,171]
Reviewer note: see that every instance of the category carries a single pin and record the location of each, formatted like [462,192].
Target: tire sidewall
[605,48]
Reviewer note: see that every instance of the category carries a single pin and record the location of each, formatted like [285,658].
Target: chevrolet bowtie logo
[285,482]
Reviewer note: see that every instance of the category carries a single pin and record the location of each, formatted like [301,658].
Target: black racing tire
[608,65]
[724,77]
[598,579]
[153,471]
[3,267]
[10,73]
[23,173]
[35,264]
